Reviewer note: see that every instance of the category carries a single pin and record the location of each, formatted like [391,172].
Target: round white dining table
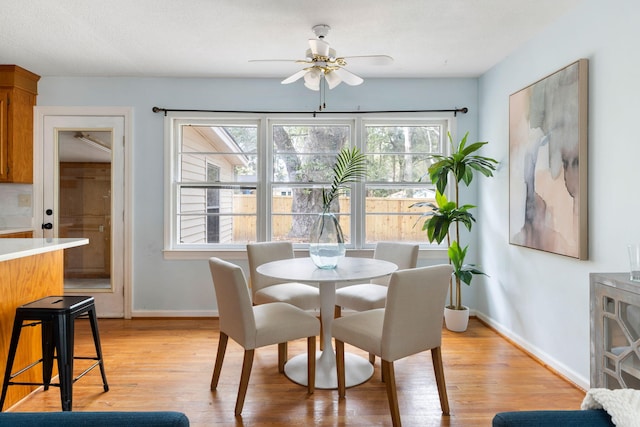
[358,369]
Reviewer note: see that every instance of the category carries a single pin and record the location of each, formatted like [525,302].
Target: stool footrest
[26,369]
[86,371]
[42,384]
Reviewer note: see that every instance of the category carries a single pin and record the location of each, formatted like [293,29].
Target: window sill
[230,254]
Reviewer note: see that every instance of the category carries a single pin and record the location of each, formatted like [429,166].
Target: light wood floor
[167,365]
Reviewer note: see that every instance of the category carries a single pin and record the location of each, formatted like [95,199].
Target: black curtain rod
[455,111]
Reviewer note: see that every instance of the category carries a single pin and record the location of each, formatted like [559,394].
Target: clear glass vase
[326,241]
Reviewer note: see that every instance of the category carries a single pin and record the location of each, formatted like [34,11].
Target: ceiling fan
[323,64]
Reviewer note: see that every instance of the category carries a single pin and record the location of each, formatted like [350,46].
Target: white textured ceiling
[217,38]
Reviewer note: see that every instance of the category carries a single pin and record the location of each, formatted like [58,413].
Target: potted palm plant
[445,217]
[326,241]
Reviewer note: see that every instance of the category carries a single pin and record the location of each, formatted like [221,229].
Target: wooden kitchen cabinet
[30,269]
[18,91]
[17,235]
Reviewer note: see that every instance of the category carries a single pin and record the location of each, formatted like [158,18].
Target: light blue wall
[172,287]
[542,300]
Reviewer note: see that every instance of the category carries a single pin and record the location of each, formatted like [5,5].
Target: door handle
[47,226]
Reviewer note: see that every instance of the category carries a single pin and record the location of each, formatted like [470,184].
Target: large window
[235,180]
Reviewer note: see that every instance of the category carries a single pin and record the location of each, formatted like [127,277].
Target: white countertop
[19,248]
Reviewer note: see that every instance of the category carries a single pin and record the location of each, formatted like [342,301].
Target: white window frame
[264,184]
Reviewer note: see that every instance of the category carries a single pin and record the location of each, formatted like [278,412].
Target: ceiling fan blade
[294,77]
[369,59]
[348,77]
[272,60]
[319,47]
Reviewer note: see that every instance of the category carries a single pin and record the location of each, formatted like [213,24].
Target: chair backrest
[404,255]
[414,311]
[261,253]
[234,303]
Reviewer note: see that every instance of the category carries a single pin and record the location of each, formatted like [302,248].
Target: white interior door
[83,196]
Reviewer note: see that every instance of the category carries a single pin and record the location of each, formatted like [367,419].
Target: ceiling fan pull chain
[322,105]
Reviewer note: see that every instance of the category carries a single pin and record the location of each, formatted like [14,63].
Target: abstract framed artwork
[548,163]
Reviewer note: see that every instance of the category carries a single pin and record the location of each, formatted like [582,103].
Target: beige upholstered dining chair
[256,326]
[368,296]
[265,289]
[410,323]
[372,295]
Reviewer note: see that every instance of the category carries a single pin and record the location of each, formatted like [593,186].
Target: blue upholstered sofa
[94,419]
[578,418]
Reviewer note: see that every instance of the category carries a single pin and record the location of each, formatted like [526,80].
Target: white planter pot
[456,320]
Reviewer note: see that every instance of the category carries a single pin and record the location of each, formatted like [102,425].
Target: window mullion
[265,179]
[358,195]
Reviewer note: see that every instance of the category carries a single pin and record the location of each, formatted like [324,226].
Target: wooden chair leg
[282,356]
[247,363]
[222,348]
[311,364]
[340,369]
[436,356]
[337,311]
[392,393]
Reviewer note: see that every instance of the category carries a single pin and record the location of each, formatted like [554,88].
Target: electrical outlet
[24,200]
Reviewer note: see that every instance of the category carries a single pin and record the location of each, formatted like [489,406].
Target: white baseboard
[560,368]
[173,313]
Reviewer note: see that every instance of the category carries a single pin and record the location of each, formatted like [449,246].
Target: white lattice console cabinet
[615,331]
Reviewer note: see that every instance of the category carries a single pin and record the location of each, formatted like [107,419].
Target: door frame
[38,185]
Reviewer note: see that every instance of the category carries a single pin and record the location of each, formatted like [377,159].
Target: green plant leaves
[446,215]
[350,167]
[461,270]
[442,215]
[461,164]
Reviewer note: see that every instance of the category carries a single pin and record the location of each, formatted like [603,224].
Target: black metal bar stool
[57,316]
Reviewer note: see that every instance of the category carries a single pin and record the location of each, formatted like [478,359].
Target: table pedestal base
[357,370]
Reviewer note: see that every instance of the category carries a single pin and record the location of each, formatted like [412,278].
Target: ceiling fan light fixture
[312,78]
[324,68]
[332,78]
[314,87]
